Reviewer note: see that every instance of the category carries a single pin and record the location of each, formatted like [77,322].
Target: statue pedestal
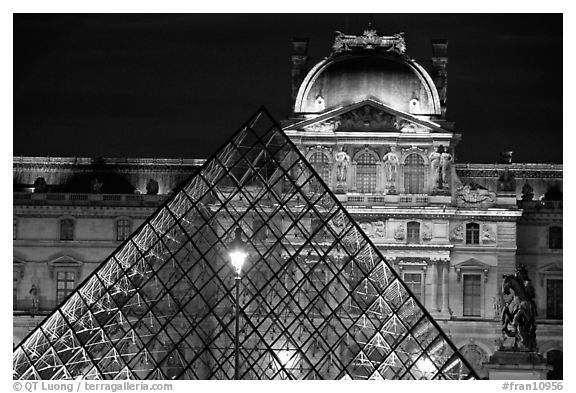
[506,363]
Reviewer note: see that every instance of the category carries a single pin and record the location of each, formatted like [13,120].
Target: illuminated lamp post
[238,254]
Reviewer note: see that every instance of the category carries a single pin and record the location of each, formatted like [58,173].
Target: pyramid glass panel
[316,298]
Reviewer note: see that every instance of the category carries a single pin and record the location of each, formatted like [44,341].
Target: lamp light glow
[238,257]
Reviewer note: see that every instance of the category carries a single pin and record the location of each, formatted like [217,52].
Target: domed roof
[379,72]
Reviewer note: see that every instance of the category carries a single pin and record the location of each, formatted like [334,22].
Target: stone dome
[387,77]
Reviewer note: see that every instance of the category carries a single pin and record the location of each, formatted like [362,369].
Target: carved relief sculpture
[474,195]
[379,229]
[488,235]
[400,233]
[391,162]
[457,234]
[427,233]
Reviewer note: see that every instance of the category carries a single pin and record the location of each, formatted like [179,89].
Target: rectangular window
[414,282]
[14,229]
[122,229]
[413,232]
[555,238]
[472,233]
[67,229]
[554,299]
[472,286]
[64,285]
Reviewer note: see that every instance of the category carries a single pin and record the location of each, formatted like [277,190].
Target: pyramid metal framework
[317,301]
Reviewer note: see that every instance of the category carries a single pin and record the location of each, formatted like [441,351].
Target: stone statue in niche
[440,164]
[435,166]
[399,233]
[391,162]
[152,187]
[506,181]
[527,192]
[445,165]
[342,162]
[488,235]
[35,299]
[40,185]
[457,234]
[96,186]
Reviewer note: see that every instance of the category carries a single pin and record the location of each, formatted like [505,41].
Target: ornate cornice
[369,40]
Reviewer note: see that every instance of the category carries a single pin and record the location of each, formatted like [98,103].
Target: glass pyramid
[317,299]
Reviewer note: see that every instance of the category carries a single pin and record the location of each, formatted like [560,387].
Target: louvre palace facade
[371,122]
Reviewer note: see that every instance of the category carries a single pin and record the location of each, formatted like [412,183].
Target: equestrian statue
[519,311]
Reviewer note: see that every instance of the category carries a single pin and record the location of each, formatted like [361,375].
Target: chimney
[299,63]
[439,71]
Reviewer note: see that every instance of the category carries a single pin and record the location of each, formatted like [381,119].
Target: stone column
[445,288]
[434,294]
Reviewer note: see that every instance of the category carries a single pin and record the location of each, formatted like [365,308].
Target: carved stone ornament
[369,40]
[488,235]
[427,233]
[400,233]
[413,149]
[470,196]
[457,234]
[367,118]
[325,126]
[367,227]
[379,229]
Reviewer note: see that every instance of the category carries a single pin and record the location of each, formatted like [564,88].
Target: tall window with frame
[555,238]
[321,165]
[472,233]
[413,232]
[472,294]
[366,173]
[413,280]
[64,284]
[14,228]
[67,229]
[554,299]
[414,174]
[123,229]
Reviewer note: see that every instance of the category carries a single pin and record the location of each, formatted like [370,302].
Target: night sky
[177,86]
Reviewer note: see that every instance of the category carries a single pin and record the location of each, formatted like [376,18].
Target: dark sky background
[177,86]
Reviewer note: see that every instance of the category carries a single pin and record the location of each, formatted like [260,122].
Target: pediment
[471,264]
[551,268]
[367,116]
[65,260]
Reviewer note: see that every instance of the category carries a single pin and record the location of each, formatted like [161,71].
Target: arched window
[555,237]
[413,232]
[321,165]
[366,173]
[414,174]
[472,233]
